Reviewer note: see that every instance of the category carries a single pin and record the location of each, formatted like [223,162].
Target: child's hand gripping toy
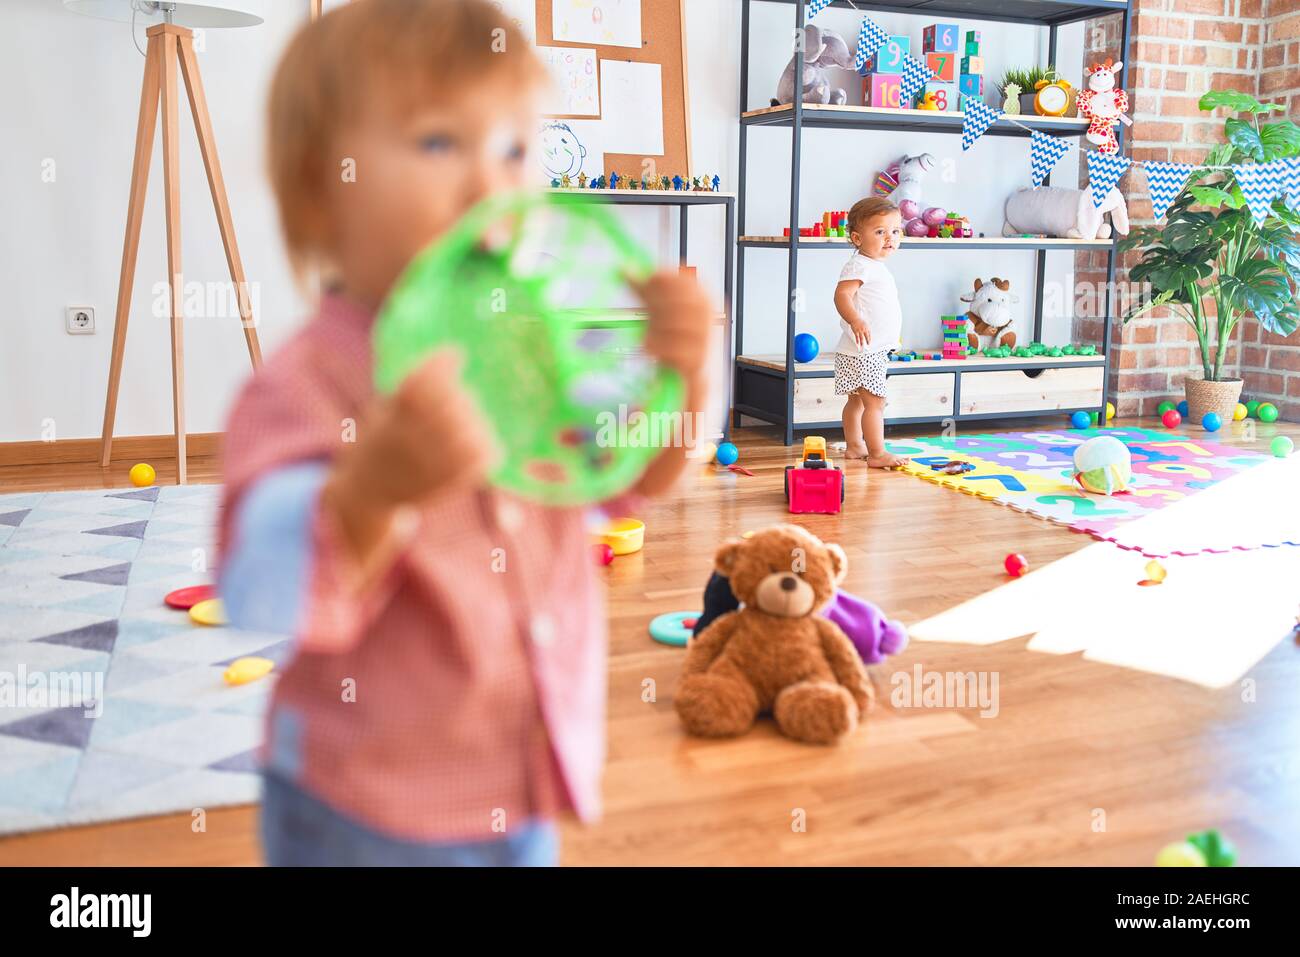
[526,286]
[1103,105]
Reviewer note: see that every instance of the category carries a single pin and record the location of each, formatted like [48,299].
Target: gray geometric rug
[112,705]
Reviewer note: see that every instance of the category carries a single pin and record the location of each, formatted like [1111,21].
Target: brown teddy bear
[775,654]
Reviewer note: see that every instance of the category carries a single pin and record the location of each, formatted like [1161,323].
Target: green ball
[1282,446]
[1252,407]
[1267,412]
[1180,855]
[1164,407]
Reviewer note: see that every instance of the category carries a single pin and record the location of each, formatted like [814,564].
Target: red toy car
[815,486]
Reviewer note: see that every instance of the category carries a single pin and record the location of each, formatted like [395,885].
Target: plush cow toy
[1102,105]
[989,322]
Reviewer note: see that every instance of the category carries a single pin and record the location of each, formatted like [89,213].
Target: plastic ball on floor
[708,452]
[1015,564]
[1180,854]
[1252,407]
[1267,412]
[1155,572]
[1211,422]
[1182,408]
[142,475]
[1080,420]
[1281,446]
[602,553]
[1171,419]
[806,347]
[1164,407]
[1240,412]
[1110,411]
[727,454]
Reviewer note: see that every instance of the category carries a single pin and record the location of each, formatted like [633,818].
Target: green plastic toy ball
[1267,412]
[1282,446]
[529,288]
[1252,407]
[1164,407]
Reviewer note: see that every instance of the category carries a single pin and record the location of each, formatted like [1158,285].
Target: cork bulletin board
[663,41]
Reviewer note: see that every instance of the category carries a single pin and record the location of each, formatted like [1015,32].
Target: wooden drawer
[1014,390]
[910,396]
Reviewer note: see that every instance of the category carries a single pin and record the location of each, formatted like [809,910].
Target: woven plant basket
[1204,396]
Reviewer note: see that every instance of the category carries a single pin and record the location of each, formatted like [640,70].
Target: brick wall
[1180,49]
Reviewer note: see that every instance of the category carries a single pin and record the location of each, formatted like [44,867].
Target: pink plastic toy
[815,486]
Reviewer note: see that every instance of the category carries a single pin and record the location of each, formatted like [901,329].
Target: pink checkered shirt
[478,660]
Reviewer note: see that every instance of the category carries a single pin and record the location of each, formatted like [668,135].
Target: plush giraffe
[1102,105]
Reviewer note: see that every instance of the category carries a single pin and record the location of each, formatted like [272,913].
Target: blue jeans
[299,830]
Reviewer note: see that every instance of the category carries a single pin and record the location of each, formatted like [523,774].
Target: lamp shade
[186,13]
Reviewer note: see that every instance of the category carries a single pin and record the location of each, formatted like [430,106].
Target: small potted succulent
[1210,264]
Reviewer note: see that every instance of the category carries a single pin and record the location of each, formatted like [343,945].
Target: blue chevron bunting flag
[1261,182]
[1292,188]
[979,117]
[1044,153]
[915,76]
[870,39]
[1165,181]
[1104,171]
[815,7]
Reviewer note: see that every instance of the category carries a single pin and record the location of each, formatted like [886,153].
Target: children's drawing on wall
[572,149]
[605,22]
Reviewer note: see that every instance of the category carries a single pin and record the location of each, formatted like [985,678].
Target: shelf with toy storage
[799,396]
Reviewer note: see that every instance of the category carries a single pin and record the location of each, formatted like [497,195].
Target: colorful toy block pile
[957,64]
[955,342]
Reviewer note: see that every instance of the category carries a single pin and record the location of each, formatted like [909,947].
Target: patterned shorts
[861,372]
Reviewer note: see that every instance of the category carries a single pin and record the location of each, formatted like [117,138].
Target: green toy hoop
[527,286]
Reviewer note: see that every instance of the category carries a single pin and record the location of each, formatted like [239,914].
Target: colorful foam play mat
[112,703]
[1033,473]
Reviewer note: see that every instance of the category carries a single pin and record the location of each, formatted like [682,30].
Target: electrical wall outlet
[81,320]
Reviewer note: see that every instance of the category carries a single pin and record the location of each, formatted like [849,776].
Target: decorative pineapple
[1011,105]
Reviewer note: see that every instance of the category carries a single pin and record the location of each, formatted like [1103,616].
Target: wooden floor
[1085,763]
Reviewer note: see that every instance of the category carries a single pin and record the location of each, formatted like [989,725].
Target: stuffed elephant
[1064,213]
[823,49]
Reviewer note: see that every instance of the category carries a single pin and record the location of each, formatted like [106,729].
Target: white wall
[75,85]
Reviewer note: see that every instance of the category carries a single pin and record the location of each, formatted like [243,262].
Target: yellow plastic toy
[1110,411]
[244,670]
[142,475]
[1240,412]
[624,535]
[208,613]
[1155,572]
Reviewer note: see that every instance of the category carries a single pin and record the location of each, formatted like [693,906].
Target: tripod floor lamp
[171,47]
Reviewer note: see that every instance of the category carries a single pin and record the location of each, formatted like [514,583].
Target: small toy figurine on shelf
[582,181]
[1011,105]
[613,180]
[555,184]
[717,182]
[929,102]
[677,183]
[632,184]
[1102,105]
[565,182]
[665,183]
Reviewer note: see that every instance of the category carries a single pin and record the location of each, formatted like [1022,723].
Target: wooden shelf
[1041,12]
[926,242]
[824,366]
[922,121]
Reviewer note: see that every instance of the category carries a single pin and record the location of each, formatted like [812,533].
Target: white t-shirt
[877,303]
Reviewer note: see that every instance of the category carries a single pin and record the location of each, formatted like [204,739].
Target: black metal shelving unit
[754,387]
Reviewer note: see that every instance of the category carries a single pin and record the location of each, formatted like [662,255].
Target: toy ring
[674,628]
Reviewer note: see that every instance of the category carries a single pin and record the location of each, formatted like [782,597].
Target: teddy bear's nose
[789,583]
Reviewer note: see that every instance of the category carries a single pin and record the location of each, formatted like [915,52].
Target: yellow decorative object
[1240,412]
[208,612]
[244,670]
[624,535]
[1052,98]
[142,475]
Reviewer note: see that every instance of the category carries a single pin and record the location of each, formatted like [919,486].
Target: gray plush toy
[823,49]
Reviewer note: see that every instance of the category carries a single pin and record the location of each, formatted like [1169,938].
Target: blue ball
[1081,420]
[1211,422]
[1182,408]
[727,454]
[805,347]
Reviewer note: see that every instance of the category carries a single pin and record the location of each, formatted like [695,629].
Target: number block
[945,95]
[972,40]
[972,65]
[942,65]
[940,38]
[972,84]
[889,58]
[883,90]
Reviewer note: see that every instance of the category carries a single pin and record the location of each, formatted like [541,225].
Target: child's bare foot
[886,460]
[856,452]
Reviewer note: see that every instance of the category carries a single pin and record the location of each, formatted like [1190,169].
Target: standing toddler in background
[872,319]
[445,699]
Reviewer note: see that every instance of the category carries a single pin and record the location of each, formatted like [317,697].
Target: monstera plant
[1210,263]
